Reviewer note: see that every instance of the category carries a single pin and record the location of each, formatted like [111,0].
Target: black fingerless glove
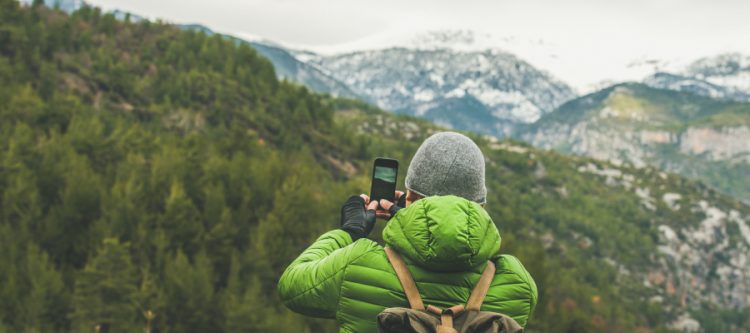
[355,219]
[399,205]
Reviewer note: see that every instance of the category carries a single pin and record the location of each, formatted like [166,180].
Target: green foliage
[35,297]
[189,291]
[105,291]
[144,169]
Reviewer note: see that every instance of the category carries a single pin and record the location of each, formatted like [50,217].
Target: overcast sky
[619,30]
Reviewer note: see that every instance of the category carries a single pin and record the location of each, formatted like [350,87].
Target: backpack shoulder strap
[404,276]
[480,290]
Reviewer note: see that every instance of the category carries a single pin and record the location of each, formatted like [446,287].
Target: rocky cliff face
[698,137]
[702,243]
[731,143]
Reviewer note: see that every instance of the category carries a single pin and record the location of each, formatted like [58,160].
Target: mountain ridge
[492,100]
[696,136]
[433,84]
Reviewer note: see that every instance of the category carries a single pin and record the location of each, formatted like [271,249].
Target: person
[443,233]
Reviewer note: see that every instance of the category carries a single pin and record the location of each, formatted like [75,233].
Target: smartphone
[384,175]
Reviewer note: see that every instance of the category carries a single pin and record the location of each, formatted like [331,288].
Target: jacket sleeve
[312,283]
[518,294]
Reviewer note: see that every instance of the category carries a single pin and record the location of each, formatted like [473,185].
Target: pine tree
[243,301]
[30,287]
[106,290]
[189,291]
[183,220]
[286,225]
[46,303]
[67,230]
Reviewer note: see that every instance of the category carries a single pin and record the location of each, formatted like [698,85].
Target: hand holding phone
[358,216]
[389,208]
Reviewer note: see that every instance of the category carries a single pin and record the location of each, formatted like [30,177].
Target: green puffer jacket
[445,241]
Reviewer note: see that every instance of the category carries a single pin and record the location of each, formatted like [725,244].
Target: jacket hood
[443,233]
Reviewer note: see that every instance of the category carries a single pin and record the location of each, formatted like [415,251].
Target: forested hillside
[154,177]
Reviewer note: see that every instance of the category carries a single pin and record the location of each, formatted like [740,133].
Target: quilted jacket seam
[333,236]
[343,272]
[526,278]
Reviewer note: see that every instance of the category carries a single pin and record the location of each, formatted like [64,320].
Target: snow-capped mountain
[486,91]
[730,70]
[726,76]
[454,78]
[584,67]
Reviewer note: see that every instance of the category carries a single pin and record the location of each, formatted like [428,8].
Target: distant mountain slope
[483,91]
[486,91]
[458,79]
[698,137]
[288,67]
[696,86]
[477,89]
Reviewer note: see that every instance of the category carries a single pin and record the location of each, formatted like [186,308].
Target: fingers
[385,204]
[382,208]
[381,214]
[373,205]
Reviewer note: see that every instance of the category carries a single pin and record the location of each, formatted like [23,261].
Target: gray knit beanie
[448,163]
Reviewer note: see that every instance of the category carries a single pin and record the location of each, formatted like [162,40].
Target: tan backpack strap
[446,317]
[446,320]
[480,290]
[407,282]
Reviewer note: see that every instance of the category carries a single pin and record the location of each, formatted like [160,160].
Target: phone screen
[384,176]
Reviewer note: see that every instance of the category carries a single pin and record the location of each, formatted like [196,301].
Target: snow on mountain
[725,76]
[540,53]
[695,86]
[586,68]
[729,70]
[487,91]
